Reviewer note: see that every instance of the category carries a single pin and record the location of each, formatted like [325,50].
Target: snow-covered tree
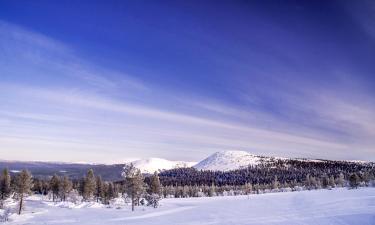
[99,192]
[54,184]
[153,200]
[4,216]
[74,196]
[212,191]
[65,187]
[275,183]
[23,186]
[354,180]
[155,187]
[89,185]
[134,182]
[5,181]
[332,182]
[108,191]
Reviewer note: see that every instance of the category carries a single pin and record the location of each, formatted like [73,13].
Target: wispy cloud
[54,102]
[49,59]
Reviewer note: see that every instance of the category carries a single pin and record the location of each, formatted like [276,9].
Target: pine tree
[354,180]
[23,186]
[134,182]
[314,182]
[81,186]
[37,186]
[366,177]
[212,190]
[99,193]
[65,187]
[5,181]
[325,181]
[155,187]
[256,188]
[54,185]
[45,187]
[108,192]
[308,182]
[89,185]
[248,188]
[275,184]
[332,182]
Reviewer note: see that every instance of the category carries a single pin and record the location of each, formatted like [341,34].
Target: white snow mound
[155,164]
[229,160]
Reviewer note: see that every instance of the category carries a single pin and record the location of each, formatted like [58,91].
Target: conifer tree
[212,191]
[341,180]
[89,187]
[23,186]
[248,188]
[108,192]
[275,183]
[81,186]
[99,193]
[332,182]
[5,181]
[37,186]
[134,182]
[155,187]
[65,187]
[354,180]
[54,185]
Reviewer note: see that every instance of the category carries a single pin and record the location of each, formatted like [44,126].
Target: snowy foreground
[339,206]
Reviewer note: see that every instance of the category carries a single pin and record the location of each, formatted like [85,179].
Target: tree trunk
[133,200]
[21,203]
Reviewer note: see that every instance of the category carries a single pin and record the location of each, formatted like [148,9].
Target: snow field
[338,206]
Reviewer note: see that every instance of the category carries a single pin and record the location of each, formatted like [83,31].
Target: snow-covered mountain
[154,164]
[230,160]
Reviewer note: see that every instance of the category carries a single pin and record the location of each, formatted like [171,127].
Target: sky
[110,81]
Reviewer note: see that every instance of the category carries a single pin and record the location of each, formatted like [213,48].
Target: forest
[145,189]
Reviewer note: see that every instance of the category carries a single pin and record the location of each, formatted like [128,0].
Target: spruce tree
[332,182]
[134,182]
[37,186]
[354,180]
[5,181]
[275,184]
[54,185]
[155,187]
[65,187]
[341,180]
[108,192]
[99,192]
[212,190]
[89,187]
[23,186]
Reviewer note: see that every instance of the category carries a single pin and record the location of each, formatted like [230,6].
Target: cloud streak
[57,104]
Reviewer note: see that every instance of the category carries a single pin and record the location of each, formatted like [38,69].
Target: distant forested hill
[72,170]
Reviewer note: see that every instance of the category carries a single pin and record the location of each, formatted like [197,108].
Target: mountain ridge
[218,161]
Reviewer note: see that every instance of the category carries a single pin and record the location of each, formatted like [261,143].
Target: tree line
[140,189]
[88,189]
[279,173]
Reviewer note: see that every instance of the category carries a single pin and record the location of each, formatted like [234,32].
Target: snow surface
[154,164]
[321,207]
[229,160]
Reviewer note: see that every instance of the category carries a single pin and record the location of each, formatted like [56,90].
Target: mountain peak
[228,160]
[150,165]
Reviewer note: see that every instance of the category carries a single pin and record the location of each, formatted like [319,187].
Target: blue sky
[108,81]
